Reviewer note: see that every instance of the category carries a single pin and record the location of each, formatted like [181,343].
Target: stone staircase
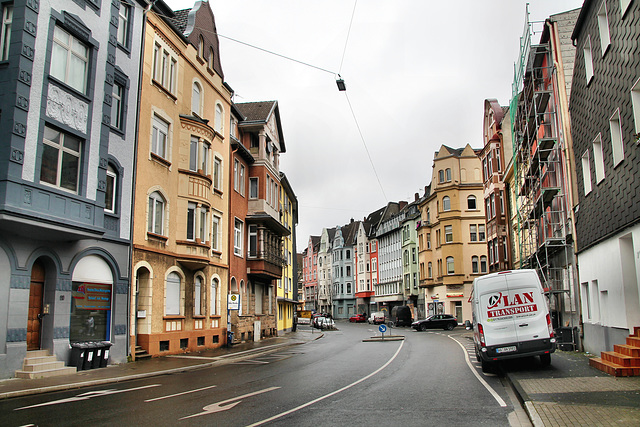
[40,364]
[624,360]
[141,353]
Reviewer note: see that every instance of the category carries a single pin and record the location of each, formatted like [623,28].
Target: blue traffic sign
[382,328]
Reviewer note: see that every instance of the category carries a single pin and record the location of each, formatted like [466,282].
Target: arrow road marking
[87,396]
[217,407]
[179,394]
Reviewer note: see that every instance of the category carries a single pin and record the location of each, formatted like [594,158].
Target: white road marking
[297,408]
[217,407]
[179,394]
[87,396]
[482,381]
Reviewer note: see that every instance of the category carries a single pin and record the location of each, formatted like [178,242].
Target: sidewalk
[572,393]
[16,387]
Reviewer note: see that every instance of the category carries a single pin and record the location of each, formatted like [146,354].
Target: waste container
[78,354]
[104,360]
[97,356]
[566,336]
[229,338]
[90,355]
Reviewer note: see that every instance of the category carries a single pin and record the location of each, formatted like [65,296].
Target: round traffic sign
[382,328]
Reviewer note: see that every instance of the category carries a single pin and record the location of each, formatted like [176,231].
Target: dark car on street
[436,321]
[358,318]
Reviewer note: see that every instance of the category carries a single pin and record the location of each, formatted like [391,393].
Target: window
[110,191]
[193,153]
[502,202]
[471,203]
[69,60]
[197,296]
[473,233]
[598,158]
[446,203]
[441,176]
[450,267]
[483,264]
[210,59]
[253,188]
[218,118]
[635,103]
[588,59]
[159,137]
[155,217]
[413,255]
[5,37]
[493,205]
[123,24]
[213,299]
[474,264]
[429,270]
[242,173]
[498,159]
[172,295]
[204,219]
[217,174]
[116,105]
[215,232]
[448,233]
[253,241]
[196,101]
[200,47]
[447,173]
[237,237]
[481,232]
[238,176]
[586,173]
[616,138]
[165,68]
[428,240]
[603,27]
[60,159]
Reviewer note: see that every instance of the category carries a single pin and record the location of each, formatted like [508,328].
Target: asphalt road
[424,380]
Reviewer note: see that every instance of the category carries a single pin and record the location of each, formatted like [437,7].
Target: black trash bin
[90,355]
[97,356]
[78,354]
[106,345]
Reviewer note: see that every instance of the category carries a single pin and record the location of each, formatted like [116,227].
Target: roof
[180,19]
[257,111]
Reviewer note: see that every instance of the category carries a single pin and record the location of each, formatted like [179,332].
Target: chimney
[417,196]
[351,220]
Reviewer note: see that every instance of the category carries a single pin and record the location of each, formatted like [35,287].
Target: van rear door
[528,306]
[498,327]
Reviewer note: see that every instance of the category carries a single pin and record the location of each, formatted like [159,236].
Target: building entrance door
[36,292]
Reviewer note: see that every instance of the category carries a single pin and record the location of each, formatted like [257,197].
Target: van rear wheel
[545,359]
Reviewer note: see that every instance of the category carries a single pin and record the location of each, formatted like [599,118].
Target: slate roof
[350,232]
[180,19]
[257,111]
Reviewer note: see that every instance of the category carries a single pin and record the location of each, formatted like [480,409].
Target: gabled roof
[372,220]
[260,113]
[350,232]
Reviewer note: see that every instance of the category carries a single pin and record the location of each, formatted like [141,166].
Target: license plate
[506,349]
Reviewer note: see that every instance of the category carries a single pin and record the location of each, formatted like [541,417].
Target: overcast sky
[417,74]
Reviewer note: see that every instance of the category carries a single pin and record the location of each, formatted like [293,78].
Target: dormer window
[200,47]
[210,60]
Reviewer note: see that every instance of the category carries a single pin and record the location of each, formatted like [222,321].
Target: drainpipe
[232,152]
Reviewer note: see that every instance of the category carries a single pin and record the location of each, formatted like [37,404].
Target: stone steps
[141,353]
[39,364]
[624,360]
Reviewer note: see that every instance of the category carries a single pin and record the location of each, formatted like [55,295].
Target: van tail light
[481,335]
[549,326]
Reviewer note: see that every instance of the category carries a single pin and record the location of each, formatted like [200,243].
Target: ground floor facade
[449,299]
[178,304]
[343,308]
[57,292]
[610,290]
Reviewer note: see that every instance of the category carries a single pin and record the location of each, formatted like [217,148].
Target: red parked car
[358,318]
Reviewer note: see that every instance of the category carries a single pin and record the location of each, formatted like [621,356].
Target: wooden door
[36,293]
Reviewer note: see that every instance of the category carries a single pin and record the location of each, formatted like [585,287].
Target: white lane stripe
[179,394]
[482,381]
[297,408]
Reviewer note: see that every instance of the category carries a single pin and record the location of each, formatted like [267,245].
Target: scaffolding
[543,221]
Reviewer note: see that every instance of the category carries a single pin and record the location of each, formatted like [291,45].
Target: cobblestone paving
[553,414]
[579,384]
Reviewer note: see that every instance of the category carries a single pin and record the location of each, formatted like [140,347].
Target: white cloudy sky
[417,74]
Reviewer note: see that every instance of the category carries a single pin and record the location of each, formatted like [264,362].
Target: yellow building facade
[451,233]
[180,251]
[286,295]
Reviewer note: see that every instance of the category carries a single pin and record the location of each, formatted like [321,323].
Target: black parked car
[436,321]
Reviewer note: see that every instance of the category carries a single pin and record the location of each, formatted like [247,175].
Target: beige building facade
[180,252]
[451,232]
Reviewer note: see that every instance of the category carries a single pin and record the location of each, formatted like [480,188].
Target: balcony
[265,265]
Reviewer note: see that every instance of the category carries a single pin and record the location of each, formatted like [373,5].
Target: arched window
[483,264]
[200,47]
[218,118]
[243,294]
[214,296]
[440,176]
[196,99]
[429,270]
[197,296]
[172,295]
[446,203]
[447,173]
[474,264]
[111,190]
[471,203]
[156,214]
[450,266]
[210,60]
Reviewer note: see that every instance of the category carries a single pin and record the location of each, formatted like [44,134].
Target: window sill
[160,160]
[164,89]
[155,236]
[199,316]
[173,317]
[218,192]
[193,243]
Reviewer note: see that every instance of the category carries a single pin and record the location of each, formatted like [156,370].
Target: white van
[511,318]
